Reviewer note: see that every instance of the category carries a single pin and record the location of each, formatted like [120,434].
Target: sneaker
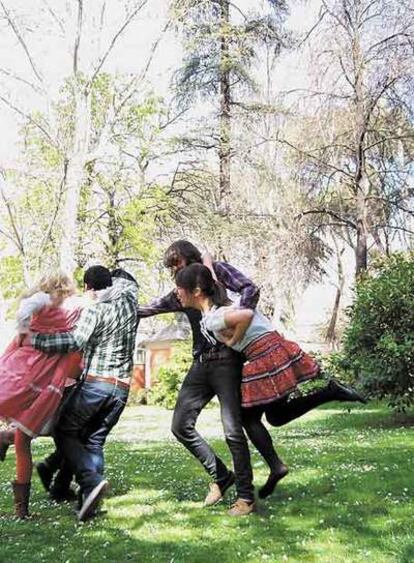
[242,508]
[91,501]
[45,474]
[217,491]
[342,392]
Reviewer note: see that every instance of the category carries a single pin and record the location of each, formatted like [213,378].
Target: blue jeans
[85,422]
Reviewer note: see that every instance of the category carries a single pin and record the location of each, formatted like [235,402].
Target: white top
[33,304]
[214,322]
[28,307]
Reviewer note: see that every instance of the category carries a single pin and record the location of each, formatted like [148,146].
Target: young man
[216,370]
[106,334]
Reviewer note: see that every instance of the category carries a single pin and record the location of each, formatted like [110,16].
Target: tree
[358,164]
[74,143]
[221,44]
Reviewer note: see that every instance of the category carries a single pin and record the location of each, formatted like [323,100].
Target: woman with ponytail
[273,370]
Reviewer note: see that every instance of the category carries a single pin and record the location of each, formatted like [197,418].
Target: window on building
[140,356]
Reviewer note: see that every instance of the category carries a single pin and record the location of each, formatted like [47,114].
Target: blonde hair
[58,283]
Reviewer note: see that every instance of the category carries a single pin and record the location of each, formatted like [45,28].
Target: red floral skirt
[274,368]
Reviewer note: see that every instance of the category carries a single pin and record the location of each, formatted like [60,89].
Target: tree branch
[115,38]
[22,42]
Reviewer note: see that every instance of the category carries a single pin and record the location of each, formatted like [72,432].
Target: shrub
[379,340]
[170,376]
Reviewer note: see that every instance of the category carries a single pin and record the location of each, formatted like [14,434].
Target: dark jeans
[85,422]
[206,379]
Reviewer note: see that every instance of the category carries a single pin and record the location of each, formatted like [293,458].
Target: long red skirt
[274,368]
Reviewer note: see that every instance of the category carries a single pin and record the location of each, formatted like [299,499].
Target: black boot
[342,392]
[6,440]
[45,474]
[21,493]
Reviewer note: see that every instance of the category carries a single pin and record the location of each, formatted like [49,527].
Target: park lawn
[349,497]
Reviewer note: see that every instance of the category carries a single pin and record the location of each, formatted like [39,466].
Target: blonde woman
[32,382]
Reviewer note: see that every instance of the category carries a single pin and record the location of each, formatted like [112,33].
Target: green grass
[348,497]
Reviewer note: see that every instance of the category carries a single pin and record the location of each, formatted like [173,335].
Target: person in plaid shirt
[215,371]
[105,333]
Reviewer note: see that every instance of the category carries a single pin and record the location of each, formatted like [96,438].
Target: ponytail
[197,275]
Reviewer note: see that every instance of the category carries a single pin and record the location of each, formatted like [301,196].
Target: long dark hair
[182,249]
[197,275]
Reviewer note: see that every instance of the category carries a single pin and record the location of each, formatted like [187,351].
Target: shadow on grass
[349,493]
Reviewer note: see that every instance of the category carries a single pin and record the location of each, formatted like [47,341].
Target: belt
[214,354]
[111,380]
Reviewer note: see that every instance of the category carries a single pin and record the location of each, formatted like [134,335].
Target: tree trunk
[74,179]
[330,336]
[361,180]
[225,116]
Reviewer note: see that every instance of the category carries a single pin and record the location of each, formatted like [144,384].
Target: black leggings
[278,413]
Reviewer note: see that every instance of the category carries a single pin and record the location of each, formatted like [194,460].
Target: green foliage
[170,376]
[379,341]
[11,276]
[335,365]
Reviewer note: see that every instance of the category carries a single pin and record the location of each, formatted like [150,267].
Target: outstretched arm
[167,304]
[63,342]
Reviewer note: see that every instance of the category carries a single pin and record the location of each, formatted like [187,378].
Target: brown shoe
[242,508]
[216,492]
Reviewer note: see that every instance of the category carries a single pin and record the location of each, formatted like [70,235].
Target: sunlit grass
[348,497]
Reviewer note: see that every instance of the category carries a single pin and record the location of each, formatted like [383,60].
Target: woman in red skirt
[274,367]
[32,382]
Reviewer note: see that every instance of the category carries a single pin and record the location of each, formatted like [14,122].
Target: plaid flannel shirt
[105,333]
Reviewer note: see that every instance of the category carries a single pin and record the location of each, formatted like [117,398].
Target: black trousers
[220,377]
[279,413]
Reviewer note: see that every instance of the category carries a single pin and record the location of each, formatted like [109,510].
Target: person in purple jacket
[215,371]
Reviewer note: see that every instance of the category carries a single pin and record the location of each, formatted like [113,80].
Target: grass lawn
[349,497]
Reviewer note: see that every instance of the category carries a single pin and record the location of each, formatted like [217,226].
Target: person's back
[110,348]
[106,334]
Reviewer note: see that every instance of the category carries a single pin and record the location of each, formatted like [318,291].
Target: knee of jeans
[234,435]
[181,427]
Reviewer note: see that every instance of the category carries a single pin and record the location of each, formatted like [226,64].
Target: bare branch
[54,16]
[115,38]
[78,37]
[17,240]
[330,213]
[20,79]
[22,42]
[30,120]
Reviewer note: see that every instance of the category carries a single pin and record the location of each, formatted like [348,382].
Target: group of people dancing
[67,374]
